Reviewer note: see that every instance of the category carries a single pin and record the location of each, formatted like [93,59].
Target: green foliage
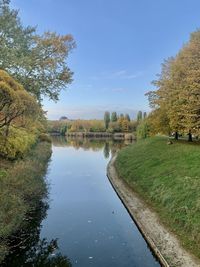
[143,129]
[41,59]
[167,177]
[63,129]
[17,143]
[107,119]
[113,117]
[139,116]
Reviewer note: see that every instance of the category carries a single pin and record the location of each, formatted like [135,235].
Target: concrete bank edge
[148,239]
[114,179]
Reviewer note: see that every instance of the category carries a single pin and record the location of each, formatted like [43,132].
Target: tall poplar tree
[107,119]
[139,116]
[114,116]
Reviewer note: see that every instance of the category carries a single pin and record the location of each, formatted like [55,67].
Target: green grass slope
[168,179]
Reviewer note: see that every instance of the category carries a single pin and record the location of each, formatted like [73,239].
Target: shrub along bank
[22,187]
[167,177]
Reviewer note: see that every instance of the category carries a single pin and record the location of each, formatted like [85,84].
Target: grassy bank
[22,186]
[168,179]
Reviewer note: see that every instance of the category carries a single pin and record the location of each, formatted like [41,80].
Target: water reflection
[109,145]
[106,150]
[86,215]
[26,249]
[86,220]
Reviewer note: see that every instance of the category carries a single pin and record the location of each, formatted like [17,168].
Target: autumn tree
[187,68]
[107,119]
[21,117]
[178,89]
[164,100]
[16,105]
[125,125]
[158,122]
[38,62]
[120,122]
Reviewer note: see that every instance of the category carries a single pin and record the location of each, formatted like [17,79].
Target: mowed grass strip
[168,179]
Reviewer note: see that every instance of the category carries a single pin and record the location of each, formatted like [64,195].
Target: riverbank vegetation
[167,178]
[20,118]
[32,66]
[22,187]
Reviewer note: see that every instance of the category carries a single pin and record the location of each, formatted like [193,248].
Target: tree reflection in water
[108,145]
[106,150]
[27,250]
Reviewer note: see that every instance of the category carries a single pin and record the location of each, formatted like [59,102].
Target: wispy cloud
[121,74]
[124,74]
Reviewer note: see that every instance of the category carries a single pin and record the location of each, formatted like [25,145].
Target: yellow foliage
[20,117]
[9,81]
[17,143]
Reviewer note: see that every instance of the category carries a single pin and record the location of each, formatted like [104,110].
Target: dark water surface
[91,225]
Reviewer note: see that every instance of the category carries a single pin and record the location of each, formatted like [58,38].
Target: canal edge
[180,256]
[147,238]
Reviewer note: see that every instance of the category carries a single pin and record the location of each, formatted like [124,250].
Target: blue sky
[120,47]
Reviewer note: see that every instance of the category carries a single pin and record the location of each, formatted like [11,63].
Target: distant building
[63,118]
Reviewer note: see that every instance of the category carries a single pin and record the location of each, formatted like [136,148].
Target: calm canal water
[85,216]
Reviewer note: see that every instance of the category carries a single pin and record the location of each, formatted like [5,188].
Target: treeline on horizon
[111,123]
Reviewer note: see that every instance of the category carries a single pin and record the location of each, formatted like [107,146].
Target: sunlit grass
[168,178]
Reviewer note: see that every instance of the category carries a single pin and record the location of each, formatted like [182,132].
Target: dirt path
[165,245]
